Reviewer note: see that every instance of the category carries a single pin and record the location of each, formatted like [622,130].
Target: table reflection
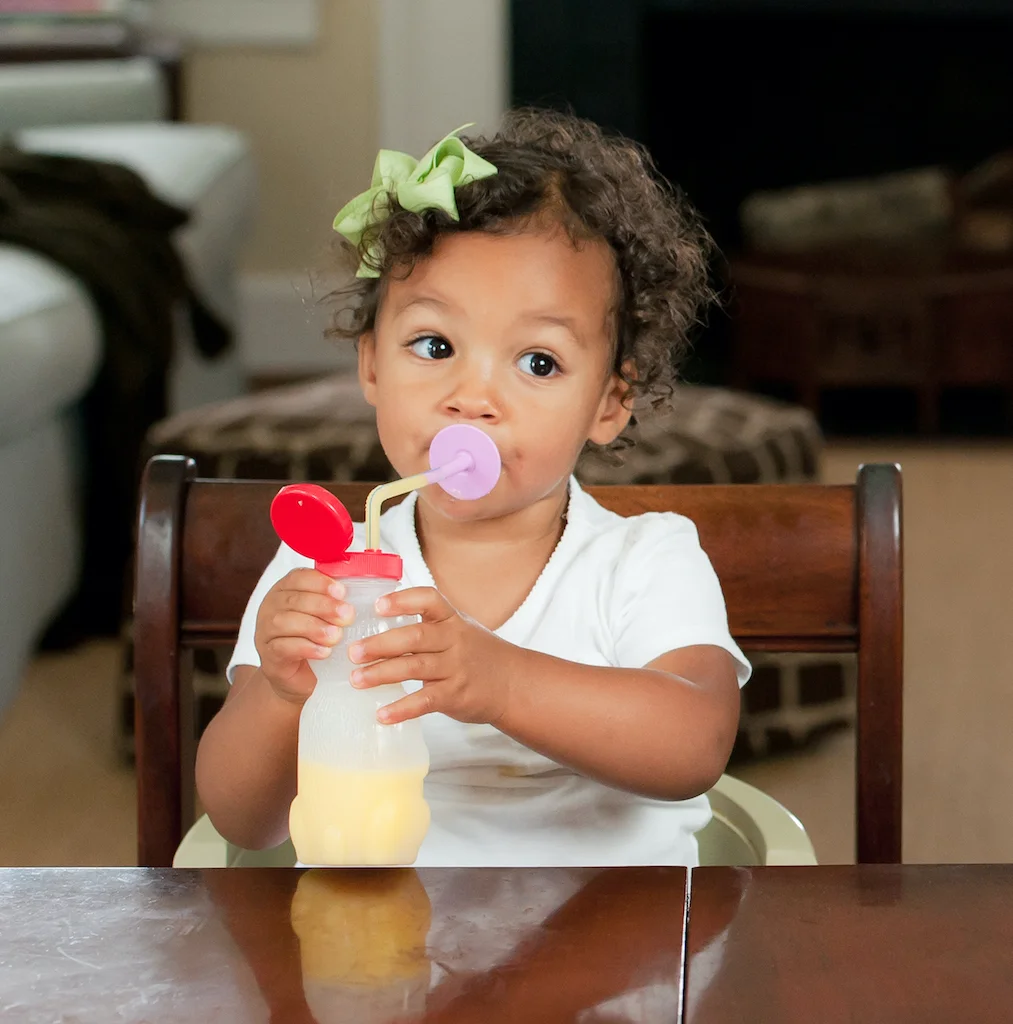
[445,946]
[362,941]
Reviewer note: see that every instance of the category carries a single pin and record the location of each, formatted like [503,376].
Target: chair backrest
[803,568]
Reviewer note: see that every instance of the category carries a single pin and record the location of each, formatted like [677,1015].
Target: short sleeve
[245,652]
[667,595]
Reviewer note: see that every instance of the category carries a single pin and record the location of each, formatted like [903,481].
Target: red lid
[313,523]
[375,564]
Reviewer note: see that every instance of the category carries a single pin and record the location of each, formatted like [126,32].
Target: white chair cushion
[50,341]
[206,169]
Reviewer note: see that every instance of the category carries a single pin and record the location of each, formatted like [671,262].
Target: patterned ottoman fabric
[322,431]
[325,431]
[713,436]
[792,699]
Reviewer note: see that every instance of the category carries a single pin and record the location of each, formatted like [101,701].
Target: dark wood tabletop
[869,944]
[866,944]
[288,946]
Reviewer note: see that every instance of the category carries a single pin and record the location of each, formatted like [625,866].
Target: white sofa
[50,337]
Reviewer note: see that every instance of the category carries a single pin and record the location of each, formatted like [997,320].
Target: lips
[424,451]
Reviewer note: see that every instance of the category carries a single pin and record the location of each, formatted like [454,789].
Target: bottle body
[359,800]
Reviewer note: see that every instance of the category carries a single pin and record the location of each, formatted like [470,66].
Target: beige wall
[311,115]
[442,63]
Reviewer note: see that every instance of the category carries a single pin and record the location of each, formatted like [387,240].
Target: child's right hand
[300,619]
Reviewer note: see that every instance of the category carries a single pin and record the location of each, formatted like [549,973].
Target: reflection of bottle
[362,938]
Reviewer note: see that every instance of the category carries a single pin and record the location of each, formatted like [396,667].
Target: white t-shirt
[616,592]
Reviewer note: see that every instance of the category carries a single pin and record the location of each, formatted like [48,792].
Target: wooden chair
[803,568]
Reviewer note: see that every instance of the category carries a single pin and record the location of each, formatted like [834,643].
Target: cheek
[565,412]
[393,422]
[393,393]
[399,421]
[549,440]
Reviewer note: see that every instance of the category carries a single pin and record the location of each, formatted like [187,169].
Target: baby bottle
[359,799]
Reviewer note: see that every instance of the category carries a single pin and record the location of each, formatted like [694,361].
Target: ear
[367,366]
[614,410]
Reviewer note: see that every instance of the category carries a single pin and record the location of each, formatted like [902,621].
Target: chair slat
[804,536]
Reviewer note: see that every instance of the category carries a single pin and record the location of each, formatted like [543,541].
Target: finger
[415,705]
[425,601]
[288,650]
[309,627]
[426,667]
[313,581]
[418,638]
[323,606]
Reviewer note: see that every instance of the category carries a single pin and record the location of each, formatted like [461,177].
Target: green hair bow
[426,184]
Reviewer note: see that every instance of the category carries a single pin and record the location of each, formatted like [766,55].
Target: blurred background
[168,179]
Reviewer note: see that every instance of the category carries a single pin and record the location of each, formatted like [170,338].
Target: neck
[537,525]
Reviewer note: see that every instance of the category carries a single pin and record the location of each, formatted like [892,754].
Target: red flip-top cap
[375,564]
[313,523]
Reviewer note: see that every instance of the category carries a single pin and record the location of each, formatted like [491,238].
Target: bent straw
[374,503]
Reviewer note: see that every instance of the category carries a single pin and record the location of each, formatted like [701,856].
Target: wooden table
[865,944]
[292,947]
[844,944]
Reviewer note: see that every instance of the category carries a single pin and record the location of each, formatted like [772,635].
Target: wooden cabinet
[924,318]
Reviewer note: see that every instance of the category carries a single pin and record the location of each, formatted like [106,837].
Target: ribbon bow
[426,184]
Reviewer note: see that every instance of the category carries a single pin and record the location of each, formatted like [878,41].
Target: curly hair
[598,187]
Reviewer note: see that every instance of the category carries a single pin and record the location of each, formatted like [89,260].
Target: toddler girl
[579,686]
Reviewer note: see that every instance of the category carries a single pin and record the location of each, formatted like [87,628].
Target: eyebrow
[554,320]
[550,319]
[422,300]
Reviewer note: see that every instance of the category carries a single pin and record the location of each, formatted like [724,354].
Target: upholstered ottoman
[325,431]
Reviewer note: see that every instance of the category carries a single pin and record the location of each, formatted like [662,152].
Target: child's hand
[300,618]
[464,668]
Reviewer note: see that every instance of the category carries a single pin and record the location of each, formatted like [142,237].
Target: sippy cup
[360,801]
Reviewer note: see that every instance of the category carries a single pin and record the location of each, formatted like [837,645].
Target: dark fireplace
[734,103]
[732,97]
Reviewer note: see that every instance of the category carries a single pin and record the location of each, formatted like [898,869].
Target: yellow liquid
[361,927]
[345,818]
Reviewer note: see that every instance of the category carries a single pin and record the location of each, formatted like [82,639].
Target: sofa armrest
[81,92]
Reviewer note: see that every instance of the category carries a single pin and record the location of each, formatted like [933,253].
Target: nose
[473,396]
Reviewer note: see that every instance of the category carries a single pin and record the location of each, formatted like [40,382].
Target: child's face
[509,333]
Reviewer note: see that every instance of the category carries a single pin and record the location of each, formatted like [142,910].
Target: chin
[455,508]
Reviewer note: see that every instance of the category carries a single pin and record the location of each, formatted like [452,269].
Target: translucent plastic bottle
[360,796]
[359,800]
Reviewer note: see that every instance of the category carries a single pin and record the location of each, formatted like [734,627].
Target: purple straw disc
[481,478]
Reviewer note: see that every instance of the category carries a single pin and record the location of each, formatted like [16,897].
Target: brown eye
[538,364]
[432,346]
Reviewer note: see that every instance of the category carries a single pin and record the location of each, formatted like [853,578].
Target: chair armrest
[81,92]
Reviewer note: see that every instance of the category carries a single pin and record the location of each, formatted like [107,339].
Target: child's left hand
[464,668]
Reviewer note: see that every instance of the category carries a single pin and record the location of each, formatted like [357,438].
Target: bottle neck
[362,592]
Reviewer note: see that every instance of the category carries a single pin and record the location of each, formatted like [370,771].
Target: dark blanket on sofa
[101,222]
